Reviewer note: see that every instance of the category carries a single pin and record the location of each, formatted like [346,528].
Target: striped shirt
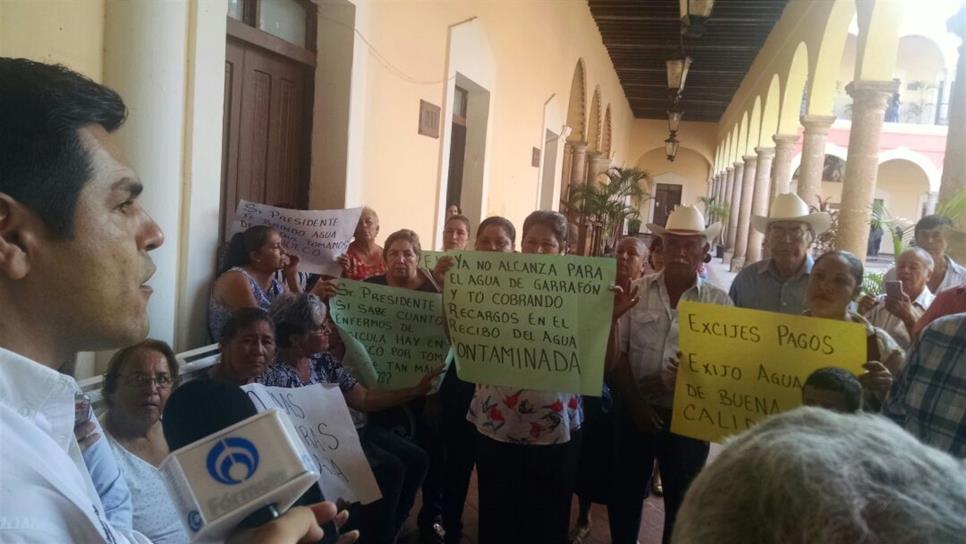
[929,398]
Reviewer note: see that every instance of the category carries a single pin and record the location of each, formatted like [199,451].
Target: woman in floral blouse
[528,441]
[398,465]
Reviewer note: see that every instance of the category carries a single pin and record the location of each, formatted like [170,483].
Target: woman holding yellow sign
[835,281]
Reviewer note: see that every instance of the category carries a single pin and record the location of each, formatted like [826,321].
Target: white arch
[832,149]
[933,173]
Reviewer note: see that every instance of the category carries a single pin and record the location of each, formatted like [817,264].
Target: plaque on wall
[428,119]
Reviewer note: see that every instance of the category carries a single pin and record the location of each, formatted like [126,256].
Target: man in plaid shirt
[929,398]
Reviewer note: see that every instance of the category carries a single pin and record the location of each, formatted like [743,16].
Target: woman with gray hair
[813,475]
[301,359]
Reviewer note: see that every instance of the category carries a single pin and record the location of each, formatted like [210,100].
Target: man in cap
[645,372]
[777,283]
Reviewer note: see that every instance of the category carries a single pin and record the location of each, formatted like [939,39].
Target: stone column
[744,211]
[760,202]
[931,200]
[813,156]
[578,169]
[597,164]
[782,165]
[954,163]
[735,204]
[869,100]
[568,164]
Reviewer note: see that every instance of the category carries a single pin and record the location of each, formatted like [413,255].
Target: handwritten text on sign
[316,236]
[399,331]
[532,321]
[428,259]
[322,420]
[739,366]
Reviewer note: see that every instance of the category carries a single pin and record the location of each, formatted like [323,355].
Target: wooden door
[666,197]
[267,126]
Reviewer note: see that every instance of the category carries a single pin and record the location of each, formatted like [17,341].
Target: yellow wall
[689,169]
[533,48]
[69,32]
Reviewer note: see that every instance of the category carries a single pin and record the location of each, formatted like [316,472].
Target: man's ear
[18,237]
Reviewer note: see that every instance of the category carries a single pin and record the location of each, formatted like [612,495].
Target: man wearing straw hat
[777,284]
[645,373]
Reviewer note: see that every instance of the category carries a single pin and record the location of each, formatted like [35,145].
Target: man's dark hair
[930,222]
[840,381]
[43,163]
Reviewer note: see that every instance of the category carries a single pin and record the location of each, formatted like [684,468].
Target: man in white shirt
[74,264]
[644,378]
[897,314]
[930,235]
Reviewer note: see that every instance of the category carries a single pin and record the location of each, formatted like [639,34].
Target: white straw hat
[686,221]
[789,207]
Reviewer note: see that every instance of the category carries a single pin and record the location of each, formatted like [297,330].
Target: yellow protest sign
[739,366]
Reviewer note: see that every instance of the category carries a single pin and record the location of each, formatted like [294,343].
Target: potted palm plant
[604,207]
[715,210]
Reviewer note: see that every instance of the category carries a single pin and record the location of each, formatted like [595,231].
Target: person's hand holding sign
[426,383]
[345,263]
[325,289]
[878,379]
[624,300]
[442,267]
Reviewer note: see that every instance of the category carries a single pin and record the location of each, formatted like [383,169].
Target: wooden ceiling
[641,34]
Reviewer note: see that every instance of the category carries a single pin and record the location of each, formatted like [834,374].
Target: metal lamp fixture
[674,119]
[677,73]
[671,147]
[694,15]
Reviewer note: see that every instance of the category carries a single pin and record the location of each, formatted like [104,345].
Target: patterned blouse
[218,314]
[358,269]
[324,369]
[524,416]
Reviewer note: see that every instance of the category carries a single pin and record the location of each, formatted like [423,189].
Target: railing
[190,364]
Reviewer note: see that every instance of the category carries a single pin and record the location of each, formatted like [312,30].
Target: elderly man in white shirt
[74,265]
[930,235]
[644,377]
[897,313]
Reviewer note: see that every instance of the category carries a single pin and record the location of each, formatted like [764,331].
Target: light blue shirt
[109,481]
[758,287]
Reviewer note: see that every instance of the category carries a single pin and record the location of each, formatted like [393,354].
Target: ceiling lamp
[694,15]
[677,73]
[671,147]
[674,119]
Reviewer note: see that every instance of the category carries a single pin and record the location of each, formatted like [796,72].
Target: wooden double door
[267,129]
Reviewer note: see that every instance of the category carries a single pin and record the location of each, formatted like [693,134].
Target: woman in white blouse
[137,384]
[528,441]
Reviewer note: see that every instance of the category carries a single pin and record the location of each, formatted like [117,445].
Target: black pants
[452,455]
[526,491]
[399,467]
[680,459]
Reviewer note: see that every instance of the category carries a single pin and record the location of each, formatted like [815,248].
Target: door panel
[666,197]
[267,127]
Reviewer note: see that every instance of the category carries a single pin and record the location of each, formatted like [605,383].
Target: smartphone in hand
[893,289]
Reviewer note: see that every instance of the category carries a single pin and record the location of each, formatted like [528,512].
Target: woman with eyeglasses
[137,385]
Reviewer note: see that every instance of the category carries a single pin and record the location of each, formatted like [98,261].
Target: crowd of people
[878,459]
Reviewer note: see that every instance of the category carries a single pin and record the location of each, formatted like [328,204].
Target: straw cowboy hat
[686,221]
[789,207]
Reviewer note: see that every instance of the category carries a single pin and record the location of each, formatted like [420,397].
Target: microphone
[229,465]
